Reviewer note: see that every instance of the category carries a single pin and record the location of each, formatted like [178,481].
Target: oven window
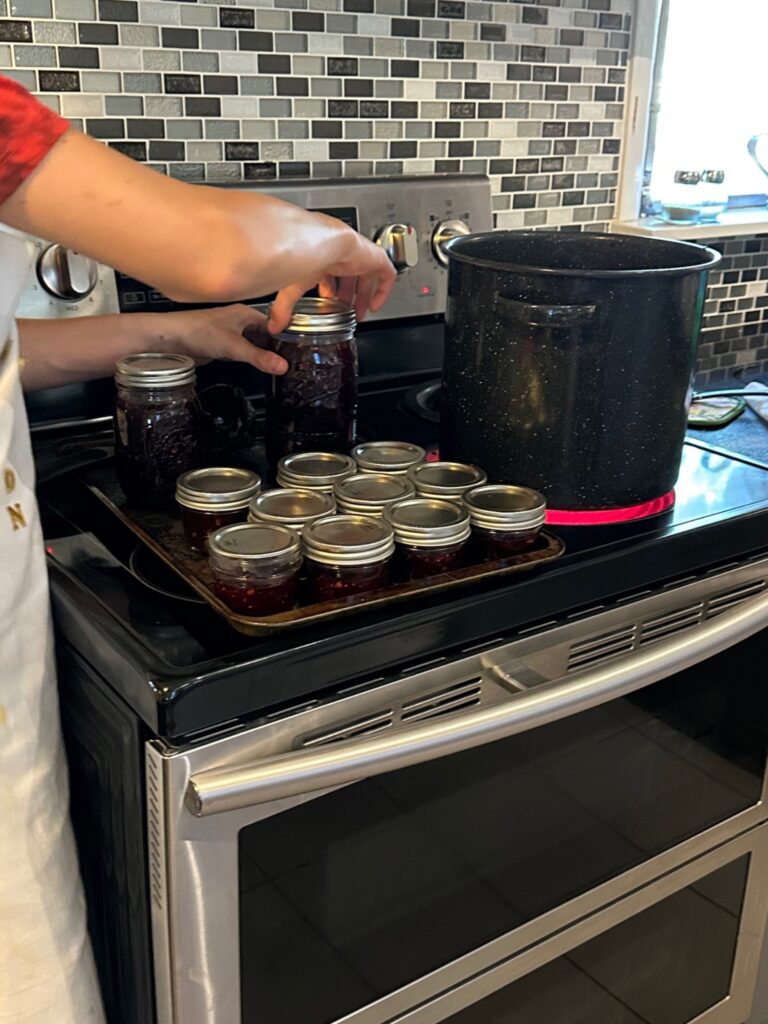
[665,965]
[364,890]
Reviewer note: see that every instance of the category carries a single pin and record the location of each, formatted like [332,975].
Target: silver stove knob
[444,232]
[401,244]
[66,274]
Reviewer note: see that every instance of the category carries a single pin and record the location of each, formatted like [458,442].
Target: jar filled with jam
[368,494]
[313,407]
[212,498]
[505,519]
[157,425]
[447,480]
[315,471]
[392,457]
[293,507]
[347,555]
[255,567]
[430,534]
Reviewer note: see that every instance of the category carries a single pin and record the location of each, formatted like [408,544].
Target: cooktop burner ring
[153,573]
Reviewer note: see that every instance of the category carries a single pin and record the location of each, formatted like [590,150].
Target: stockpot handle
[296,773]
[752,148]
[543,315]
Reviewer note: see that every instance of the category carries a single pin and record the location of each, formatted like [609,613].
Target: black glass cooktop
[183,669]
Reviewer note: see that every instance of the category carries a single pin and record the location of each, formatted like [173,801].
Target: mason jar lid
[428,522]
[254,542]
[445,479]
[291,507]
[348,540]
[314,469]
[155,370]
[217,489]
[387,456]
[321,316]
[371,492]
[505,507]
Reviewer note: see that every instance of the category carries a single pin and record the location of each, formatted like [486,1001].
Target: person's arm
[56,352]
[193,242]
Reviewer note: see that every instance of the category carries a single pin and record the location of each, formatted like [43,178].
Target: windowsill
[749,221]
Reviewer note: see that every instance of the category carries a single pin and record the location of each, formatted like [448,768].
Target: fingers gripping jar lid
[316,470]
[445,479]
[155,370]
[219,489]
[348,540]
[505,507]
[321,316]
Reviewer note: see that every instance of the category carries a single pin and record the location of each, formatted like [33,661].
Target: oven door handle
[289,775]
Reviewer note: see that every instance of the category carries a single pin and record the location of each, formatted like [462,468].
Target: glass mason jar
[368,494]
[347,555]
[430,535]
[315,471]
[255,567]
[392,457]
[447,480]
[212,498]
[505,519]
[313,407]
[293,507]
[157,425]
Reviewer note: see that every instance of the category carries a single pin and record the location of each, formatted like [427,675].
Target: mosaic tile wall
[531,93]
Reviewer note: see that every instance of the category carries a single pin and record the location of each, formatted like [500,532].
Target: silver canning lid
[254,542]
[370,493]
[155,370]
[292,507]
[445,479]
[321,316]
[428,522]
[217,489]
[505,507]
[314,469]
[387,456]
[348,540]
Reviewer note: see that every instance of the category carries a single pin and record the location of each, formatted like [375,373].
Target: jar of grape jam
[293,507]
[315,471]
[430,534]
[447,480]
[392,457]
[157,425]
[368,494]
[347,555]
[212,498]
[505,520]
[313,407]
[255,567]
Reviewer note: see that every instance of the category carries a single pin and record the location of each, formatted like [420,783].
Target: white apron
[47,974]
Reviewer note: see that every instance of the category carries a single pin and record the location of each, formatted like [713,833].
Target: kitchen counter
[746,436]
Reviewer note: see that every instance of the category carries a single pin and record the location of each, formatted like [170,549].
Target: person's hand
[207,334]
[362,278]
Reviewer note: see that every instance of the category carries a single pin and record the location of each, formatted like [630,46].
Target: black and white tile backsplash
[531,93]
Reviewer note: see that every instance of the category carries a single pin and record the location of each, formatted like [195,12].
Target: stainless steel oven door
[359,858]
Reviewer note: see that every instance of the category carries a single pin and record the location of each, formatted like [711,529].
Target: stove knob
[443,233]
[401,244]
[66,274]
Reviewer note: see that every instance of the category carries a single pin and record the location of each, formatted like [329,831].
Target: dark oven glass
[627,975]
[372,886]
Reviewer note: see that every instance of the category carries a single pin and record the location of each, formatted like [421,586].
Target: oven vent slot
[352,730]
[600,647]
[731,598]
[663,626]
[443,702]
[155,836]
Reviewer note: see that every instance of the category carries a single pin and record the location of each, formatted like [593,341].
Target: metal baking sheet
[162,533]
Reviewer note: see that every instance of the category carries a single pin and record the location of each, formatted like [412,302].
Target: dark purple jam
[156,440]
[313,407]
[257,598]
[496,544]
[199,525]
[340,582]
[421,563]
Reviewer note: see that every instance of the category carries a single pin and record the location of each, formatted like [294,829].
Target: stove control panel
[410,217]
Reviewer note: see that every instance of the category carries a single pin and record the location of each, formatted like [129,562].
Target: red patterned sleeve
[28,131]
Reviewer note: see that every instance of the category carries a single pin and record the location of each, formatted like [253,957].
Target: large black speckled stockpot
[569,360]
